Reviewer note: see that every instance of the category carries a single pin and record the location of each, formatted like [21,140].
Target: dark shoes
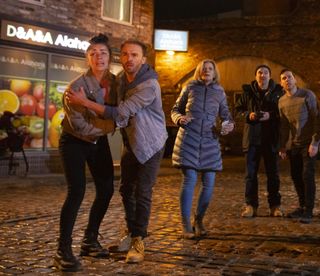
[197,230]
[304,215]
[198,227]
[297,213]
[91,247]
[64,260]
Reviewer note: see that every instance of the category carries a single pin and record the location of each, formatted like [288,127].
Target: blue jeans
[270,158]
[137,181]
[303,173]
[190,177]
[75,154]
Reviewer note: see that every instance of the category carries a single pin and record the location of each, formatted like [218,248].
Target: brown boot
[199,230]
[136,252]
[187,231]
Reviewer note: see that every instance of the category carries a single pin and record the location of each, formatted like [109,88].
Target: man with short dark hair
[299,117]
[258,104]
[141,119]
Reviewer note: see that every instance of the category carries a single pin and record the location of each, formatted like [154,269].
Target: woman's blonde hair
[199,69]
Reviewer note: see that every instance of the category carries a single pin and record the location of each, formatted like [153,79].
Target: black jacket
[255,100]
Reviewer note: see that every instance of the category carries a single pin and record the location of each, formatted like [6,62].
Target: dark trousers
[75,154]
[302,173]
[270,159]
[137,181]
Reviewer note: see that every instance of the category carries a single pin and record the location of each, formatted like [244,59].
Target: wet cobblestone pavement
[29,219]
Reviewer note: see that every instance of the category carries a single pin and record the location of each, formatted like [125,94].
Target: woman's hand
[76,98]
[283,153]
[226,127]
[185,119]
[312,150]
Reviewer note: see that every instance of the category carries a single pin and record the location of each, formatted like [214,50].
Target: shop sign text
[36,35]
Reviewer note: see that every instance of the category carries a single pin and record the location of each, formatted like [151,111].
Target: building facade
[42,47]
[282,34]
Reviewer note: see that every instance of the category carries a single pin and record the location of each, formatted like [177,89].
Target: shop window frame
[105,17]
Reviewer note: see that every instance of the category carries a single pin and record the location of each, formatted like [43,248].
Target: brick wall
[85,16]
[292,41]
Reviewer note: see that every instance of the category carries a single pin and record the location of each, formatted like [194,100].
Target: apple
[41,108]
[20,87]
[38,91]
[27,104]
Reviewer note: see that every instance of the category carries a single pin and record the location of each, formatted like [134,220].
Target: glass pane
[22,91]
[117,9]
[62,71]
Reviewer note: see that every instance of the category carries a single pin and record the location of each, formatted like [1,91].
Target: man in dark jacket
[258,104]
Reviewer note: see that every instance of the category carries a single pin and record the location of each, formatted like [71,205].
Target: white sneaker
[123,246]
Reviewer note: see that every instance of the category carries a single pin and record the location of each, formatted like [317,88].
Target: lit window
[117,10]
[36,2]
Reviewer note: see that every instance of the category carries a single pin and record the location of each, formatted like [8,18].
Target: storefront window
[23,86]
[118,10]
[62,71]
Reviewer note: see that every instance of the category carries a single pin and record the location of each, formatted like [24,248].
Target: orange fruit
[9,101]
[20,87]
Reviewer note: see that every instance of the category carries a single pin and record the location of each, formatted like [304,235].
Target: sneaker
[93,249]
[306,217]
[297,213]
[276,212]
[66,261]
[249,212]
[123,246]
[136,252]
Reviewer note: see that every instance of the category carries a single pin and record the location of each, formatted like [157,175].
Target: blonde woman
[197,148]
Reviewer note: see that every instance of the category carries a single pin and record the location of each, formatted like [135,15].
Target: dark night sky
[174,9]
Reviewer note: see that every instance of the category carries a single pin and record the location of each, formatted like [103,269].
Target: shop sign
[170,40]
[35,35]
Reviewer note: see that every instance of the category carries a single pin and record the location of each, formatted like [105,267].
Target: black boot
[64,259]
[199,230]
[91,247]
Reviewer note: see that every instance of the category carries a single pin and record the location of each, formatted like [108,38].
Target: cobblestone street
[29,220]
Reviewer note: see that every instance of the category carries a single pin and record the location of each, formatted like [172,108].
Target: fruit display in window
[27,104]
[38,91]
[57,118]
[9,101]
[55,128]
[38,143]
[55,94]
[20,87]
[41,109]
[36,127]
